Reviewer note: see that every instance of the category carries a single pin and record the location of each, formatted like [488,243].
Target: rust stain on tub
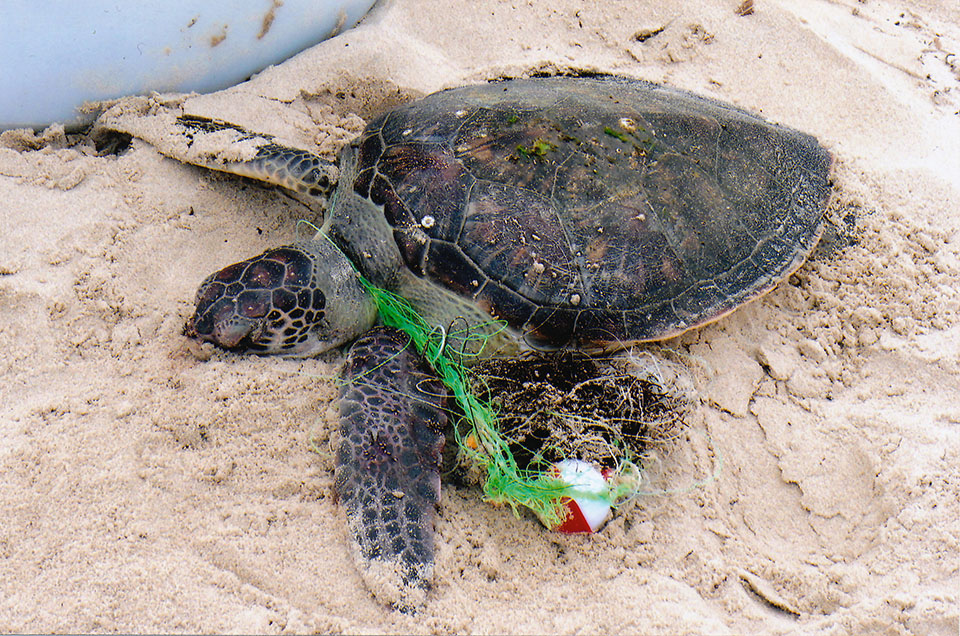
[215,40]
[268,18]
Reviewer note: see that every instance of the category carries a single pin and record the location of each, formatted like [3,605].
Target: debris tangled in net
[605,410]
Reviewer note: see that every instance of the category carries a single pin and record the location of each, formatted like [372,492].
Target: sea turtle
[589,212]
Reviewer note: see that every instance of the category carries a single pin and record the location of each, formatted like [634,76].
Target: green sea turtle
[592,213]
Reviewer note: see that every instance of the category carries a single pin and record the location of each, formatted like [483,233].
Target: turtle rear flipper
[392,420]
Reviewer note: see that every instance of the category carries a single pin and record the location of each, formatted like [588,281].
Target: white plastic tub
[56,55]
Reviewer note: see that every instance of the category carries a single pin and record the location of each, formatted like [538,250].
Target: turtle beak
[222,325]
[231,333]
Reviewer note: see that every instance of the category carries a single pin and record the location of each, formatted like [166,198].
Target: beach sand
[144,490]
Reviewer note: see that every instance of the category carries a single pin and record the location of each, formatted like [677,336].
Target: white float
[587,508]
[56,55]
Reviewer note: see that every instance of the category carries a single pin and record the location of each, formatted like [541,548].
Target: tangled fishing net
[520,415]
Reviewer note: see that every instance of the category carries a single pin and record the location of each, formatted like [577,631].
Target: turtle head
[295,300]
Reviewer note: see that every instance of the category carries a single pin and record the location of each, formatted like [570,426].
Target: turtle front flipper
[293,168]
[392,421]
[225,147]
